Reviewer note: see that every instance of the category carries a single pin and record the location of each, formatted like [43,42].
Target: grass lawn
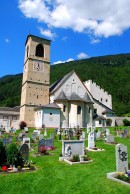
[57,177]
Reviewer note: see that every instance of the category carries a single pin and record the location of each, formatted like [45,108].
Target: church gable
[71,84]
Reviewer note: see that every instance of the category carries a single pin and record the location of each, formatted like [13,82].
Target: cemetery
[45,158]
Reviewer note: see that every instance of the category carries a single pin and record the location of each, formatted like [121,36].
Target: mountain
[109,72]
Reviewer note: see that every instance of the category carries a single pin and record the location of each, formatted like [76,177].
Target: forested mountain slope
[112,73]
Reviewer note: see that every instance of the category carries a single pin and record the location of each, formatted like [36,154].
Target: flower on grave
[4,168]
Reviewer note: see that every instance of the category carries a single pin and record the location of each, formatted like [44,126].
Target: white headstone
[121,158]
[25,129]
[26,140]
[110,138]
[83,135]
[98,134]
[91,143]
[41,136]
[72,147]
[107,131]
[45,132]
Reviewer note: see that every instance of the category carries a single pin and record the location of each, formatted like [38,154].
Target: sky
[78,29]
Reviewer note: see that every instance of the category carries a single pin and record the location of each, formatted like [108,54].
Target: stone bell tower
[36,78]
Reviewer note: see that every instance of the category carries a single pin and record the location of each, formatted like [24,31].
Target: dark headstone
[24,151]
[49,143]
[41,143]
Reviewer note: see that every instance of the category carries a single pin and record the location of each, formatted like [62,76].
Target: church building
[67,103]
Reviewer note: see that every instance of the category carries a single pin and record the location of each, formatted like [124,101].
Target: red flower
[4,168]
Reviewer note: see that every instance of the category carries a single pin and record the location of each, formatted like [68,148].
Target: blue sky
[78,29]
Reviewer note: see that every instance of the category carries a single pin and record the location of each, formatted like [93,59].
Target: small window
[79,110]
[37,96]
[106,100]
[50,113]
[89,109]
[64,108]
[100,122]
[101,99]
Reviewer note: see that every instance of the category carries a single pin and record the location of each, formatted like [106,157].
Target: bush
[75,158]
[22,124]
[108,122]
[13,156]
[126,122]
[12,152]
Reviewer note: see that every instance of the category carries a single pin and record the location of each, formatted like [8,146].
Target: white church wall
[99,93]
[51,117]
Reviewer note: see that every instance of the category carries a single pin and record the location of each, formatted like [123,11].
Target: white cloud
[95,41]
[58,62]
[82,56]
[98,17]
[47,33]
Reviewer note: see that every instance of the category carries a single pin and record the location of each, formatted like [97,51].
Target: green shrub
[12,152]
[13,156]
[126,122]
[108,122]
[75,158]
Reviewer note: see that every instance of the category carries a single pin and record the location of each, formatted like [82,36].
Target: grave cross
[122,155]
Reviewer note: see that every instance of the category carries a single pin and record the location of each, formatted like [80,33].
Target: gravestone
[0,133]
[110,138]
[26,129]
[40,144]
[107,131]
[38,132]
[52,135]
[5,141]
[98,134]
[26,141]
[72,147]
[20,136]
[71,134]
[83,135]
[125,133]
[45,133]
[41,136]
[24,151]
[121,158]
[49,143]
[10,139]
[34,136]
[91,143]
[119,134]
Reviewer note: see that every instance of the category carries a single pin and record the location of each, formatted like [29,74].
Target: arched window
[39,51]
[79,110]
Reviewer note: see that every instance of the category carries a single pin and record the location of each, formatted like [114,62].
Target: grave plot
[14,159]
[122,173]
[73,152]
[91,144]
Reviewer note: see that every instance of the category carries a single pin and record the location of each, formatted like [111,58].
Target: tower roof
[30,35]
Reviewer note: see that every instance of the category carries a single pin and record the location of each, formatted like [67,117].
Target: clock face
[37,66]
